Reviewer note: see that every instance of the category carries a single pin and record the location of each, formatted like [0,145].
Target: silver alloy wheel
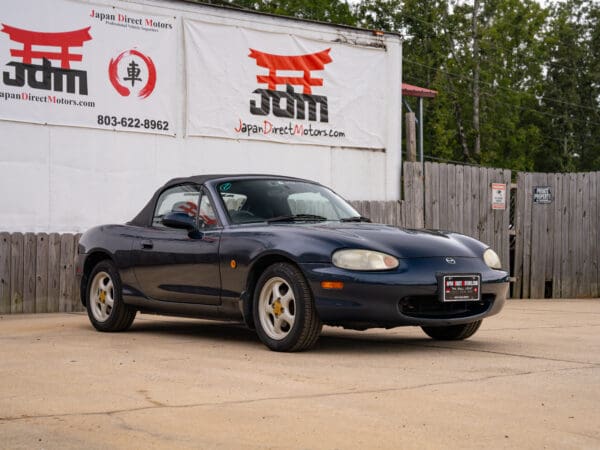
[277,308]
[102,296]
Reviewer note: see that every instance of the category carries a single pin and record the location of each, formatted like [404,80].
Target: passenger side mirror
[179,220]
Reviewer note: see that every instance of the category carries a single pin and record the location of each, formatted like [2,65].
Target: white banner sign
[250,84]
[79,64]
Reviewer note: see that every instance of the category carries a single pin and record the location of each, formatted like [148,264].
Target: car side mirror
[179,220]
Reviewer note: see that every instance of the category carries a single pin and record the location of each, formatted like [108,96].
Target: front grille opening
[430,307]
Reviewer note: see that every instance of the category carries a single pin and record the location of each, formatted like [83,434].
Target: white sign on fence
[79,64]
[250,84]
[498,196]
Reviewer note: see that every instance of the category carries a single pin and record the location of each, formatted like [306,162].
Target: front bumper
[406,296]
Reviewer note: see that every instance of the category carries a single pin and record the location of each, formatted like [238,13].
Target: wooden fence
[555,248]
[37,273]
[557,251]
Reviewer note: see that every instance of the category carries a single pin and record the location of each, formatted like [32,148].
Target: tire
[104,288]
[453,332]
[284,311]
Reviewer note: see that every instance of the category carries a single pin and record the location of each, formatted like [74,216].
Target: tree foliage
[518,82]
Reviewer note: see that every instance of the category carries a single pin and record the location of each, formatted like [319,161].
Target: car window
[249,201]
[310,203]
[180,199]
[207,217]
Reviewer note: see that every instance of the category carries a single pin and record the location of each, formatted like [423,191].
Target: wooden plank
[597,236]
[406,186]
[460,206]
[579,242]
[519,242]
[451,197]
[428,195]
[77,306]
[593,247]
[571,275]
[29,264]
[411,136]
[557,239]
[434,184]
[41,273]
[66,272]
[475,176]
[443,196]
[505,234]
[53,272]
[16,273]
[539,242]
[484,207]
[548,232]
[465,200]
[400,214]
[586,243]
[527,226]
[419,196]
[4,273]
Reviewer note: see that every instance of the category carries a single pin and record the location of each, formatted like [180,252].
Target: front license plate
[458,288]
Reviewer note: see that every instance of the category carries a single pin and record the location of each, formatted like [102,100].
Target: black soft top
[144,217]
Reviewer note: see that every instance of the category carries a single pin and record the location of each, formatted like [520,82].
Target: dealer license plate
[460,288]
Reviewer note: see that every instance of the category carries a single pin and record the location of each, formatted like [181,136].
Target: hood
[402,243]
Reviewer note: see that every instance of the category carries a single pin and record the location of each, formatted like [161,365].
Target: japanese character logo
[132,71]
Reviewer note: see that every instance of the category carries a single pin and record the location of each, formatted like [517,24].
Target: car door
[176,265]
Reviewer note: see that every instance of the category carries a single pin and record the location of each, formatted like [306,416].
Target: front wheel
[284,310]
[104,301]
[453,332]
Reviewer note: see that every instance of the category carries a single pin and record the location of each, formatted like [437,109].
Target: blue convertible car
[285,256]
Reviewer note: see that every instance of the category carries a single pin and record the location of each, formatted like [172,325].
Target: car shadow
[332,341]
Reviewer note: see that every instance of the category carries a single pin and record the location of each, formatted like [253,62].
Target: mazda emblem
[450,260]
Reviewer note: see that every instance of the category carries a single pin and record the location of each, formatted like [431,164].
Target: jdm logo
[289,103]
[37,52]
[132,71]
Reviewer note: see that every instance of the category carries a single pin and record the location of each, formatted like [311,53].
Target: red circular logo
[132,69]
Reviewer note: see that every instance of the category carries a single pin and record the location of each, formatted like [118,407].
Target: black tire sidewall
[302,294]
[119,308]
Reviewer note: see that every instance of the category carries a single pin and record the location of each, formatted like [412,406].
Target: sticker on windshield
[225,187]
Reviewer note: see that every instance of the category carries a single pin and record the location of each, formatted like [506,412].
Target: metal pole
[421,128]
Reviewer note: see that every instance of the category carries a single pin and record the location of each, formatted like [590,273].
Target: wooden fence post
[4,273]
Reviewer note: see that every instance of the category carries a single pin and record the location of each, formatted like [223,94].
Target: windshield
[273,200]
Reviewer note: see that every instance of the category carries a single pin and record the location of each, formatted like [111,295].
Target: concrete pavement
[530,378]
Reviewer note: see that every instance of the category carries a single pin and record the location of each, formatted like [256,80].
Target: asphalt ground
[530,378]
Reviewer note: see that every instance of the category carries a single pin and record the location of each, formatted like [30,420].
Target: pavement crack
[517,355]
[159,405]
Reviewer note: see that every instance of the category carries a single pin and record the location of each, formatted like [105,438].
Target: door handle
[147,244]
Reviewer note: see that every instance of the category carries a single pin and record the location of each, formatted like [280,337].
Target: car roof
[144,217]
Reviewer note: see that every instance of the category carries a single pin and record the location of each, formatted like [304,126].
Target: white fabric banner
[249,84]
[78,64]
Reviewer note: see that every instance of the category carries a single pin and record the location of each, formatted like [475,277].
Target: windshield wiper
[293,217]
[355,219]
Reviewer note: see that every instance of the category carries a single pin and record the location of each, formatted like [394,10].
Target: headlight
[363,260]
[491,259]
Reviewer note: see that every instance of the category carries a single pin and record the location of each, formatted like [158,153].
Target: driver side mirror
[179,220]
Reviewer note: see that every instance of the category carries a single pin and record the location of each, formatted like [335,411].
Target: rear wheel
[104,302]
[453,332]
[284,311]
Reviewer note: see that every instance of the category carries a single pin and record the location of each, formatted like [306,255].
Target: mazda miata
[284,256]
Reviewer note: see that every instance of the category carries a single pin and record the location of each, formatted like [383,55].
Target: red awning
[415,91]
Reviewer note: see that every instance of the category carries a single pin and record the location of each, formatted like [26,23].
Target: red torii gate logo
[295,103]
[52,77]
